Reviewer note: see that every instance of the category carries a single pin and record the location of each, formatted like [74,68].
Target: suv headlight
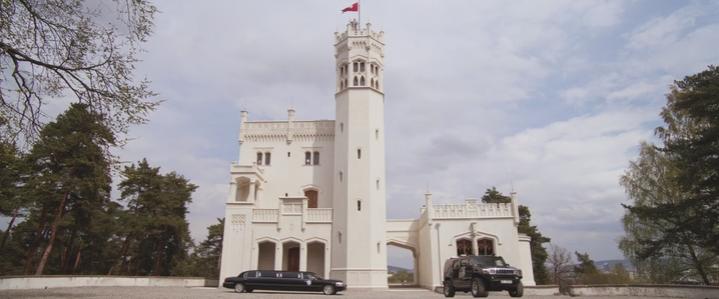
[339,283]
[518,272]
[489,271]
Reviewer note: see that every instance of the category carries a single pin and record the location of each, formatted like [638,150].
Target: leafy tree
[11,202]
[586,271]
[650,181]
[55,48]
[675,187]
[157,237]
[70,175]
[539,253]
[210,250]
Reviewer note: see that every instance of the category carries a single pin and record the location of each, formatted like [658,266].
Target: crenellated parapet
[263,131]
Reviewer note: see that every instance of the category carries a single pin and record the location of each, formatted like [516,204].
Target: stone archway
[291,256]
[398,278]
[266,255]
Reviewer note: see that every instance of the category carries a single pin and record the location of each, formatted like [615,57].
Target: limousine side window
[250,274]
[266,274]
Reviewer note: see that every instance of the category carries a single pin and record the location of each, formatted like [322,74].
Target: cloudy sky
[549,98]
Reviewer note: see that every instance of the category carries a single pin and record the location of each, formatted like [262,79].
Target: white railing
[319,215]
[265,215]
[472,210]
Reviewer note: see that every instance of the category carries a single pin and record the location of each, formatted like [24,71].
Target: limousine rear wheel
[328,290]
[239,288]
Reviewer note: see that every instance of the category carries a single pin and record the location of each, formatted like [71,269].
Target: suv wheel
[518,291]
[478,288]
[448,289]
[328,290]
[239,288]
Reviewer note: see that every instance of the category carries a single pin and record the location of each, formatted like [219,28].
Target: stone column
[303,256]
[251,194]
[279,252]
[233,191]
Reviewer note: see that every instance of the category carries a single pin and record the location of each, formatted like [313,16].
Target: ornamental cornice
[297,130]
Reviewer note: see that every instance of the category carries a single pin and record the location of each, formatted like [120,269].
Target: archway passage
[291,256]
[464,247]
[266,257]
[311,198]
[401,265]
[316,258]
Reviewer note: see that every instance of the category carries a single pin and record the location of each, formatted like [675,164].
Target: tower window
[308,158]
[359,154]
[362,81]
[289,154]
[376,134]
[267,158]
[359,205]
[340,176]
[354,67]
[355,82]
[361,66]
[259,158]
[377,184]
[316,160]
[342,127]
[345,82]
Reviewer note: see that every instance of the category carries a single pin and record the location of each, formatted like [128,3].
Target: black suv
[249,281]
[480,274]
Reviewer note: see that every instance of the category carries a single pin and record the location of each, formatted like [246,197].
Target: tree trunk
[53,233]
[123,254]
[698,265]
[158,257]
[69,247]
[77,261]
[9,227]
[35,243]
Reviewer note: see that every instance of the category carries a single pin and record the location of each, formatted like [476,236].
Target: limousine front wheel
[239,288]
[328,290]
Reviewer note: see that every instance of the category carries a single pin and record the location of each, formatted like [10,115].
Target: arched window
[308,158]
[259,158]
[359,153]
[362,66]
[355,82]
[340,176]
[377,83]
[359,205]
[464,247]
[377,184]
[376,134]
[342,127]
[345,82]
[268,158]
[485,247]
[362,81]
[354,67]
[316,160]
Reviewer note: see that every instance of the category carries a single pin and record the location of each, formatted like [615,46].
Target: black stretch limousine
[249,281]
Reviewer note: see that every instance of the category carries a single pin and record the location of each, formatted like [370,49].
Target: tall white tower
[359,251]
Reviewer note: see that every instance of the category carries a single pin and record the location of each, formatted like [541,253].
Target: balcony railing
[310,216]
[319,215]
[265,215]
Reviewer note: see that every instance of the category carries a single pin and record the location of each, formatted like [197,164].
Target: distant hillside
[394,269]
[607,265]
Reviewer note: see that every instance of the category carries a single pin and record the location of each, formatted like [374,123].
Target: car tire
[239,288]
[478,288]
[518,291]
[328,290]
[448,289]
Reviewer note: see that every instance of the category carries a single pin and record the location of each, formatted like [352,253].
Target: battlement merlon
[354,30]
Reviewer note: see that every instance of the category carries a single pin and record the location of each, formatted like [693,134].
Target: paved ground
[166,292]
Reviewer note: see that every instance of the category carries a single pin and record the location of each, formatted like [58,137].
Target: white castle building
[311,195]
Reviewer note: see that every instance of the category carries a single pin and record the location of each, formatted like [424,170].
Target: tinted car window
[489,261]
[250,274]
[266,273]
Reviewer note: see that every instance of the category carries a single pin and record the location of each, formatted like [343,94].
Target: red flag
[354,7]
